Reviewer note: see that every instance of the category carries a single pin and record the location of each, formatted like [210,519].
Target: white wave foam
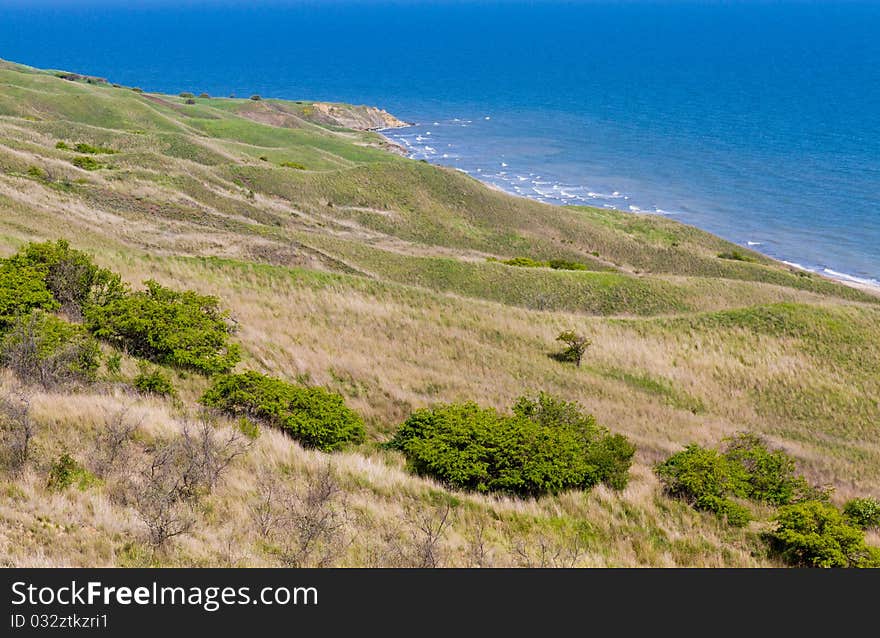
[754,243]
[857,280]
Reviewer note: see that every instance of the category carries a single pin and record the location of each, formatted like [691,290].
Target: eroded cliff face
[359,118]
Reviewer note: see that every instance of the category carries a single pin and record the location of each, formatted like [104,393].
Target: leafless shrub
[38,349]
[305,526]
[17,429]
[179,473]
[544,551]
[206,454]
[478,554]
[428,530]
[266,507]
[421,544]
[162,499]
[113,446]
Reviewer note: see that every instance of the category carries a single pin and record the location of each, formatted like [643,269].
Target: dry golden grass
[636,527]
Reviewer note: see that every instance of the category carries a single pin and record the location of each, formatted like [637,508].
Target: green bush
[187,94]
[769,475]
[37,173]
[113,363]
[86,163]
[62,146]
[256,98]
[296,165]
[182,329]
[563,264]
[150,380]
[555,264]
[524,262]
[67,471]
[706,479]
[734,255]
[863,512]
[71,275]
[816,534]
[546,446]
[709,479]
[41,348]
[575,346]
[90,149]
[315,417]
[22,289]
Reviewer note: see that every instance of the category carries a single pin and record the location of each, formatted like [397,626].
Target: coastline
[846,279]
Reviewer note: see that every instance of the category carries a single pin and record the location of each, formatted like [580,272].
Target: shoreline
[845,279]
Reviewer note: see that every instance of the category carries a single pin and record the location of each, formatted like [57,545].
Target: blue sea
[756,120]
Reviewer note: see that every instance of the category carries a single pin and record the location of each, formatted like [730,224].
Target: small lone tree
[575,346]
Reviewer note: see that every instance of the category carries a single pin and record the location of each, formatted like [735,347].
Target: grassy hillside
[350,267]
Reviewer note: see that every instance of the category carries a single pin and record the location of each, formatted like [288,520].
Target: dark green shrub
[769,476]
[706,479]
[315,417]
[524,262]
[22,289]
[546,446]
[86,163]
[182,329]
[256,98]
[71,275]
[150,380]
[611,456]
[37,173]
[190,100]
[67,471]
[187,94]
[113,363]
[563,264]
[296,165]
[863,512]
[747,469]
[137,89]
[41,348]
[82,147]
[734,255]
[816,534]
[62,146]
[575,347]
[204,95]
